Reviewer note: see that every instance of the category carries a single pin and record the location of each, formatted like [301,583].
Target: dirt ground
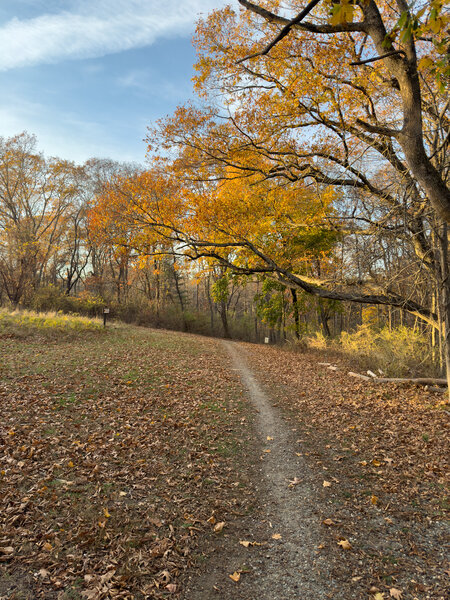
[349,481]
[138,464]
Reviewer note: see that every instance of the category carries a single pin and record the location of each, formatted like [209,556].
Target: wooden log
[419,380]
[414,380]
[365,377]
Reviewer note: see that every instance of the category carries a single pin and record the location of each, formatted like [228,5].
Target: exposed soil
[333,478]
[286,563]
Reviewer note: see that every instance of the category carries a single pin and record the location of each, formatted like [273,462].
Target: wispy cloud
[94,29]
[149,82]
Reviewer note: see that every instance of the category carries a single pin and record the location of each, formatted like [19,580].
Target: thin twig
[368,60]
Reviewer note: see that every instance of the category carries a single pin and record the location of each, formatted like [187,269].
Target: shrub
[398,352]
[50,298]
[318,341]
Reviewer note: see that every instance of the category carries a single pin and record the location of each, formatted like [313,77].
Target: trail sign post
[105,314]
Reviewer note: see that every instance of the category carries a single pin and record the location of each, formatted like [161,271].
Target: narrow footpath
[288,564]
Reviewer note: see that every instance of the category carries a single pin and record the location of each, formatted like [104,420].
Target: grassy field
[117,457]
[123,449]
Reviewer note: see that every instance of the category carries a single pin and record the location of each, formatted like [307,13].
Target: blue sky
[88,76]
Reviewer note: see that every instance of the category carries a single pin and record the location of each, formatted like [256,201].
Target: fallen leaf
[246,544]
[397,594]
[164,576]
[373,499]
[110,574]
[235,576]
[47,546]
[7,550]
[379,596]
[106,513]
[171,587]
[276,536]
[328,522]
[294,481]
[267,451]
[269,438]
[345,544]
[326,484]
[70,464]
[376,463]
[219,526]
[43,573]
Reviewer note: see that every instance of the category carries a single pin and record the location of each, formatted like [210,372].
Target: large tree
[310,131]
[35,197]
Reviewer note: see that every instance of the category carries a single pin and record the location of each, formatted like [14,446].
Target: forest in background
[289,204]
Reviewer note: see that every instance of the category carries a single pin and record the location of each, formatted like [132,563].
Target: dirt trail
[289,567]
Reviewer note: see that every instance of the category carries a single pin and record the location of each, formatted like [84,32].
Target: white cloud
[94,29]
[149,81]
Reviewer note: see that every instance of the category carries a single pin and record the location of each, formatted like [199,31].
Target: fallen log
[419,380]
[414,380]
[365,377]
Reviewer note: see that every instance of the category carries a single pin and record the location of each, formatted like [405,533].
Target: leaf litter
[114,451]
[117,459]
[387,449]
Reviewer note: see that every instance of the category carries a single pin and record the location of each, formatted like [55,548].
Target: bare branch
[296,22]
[369,60]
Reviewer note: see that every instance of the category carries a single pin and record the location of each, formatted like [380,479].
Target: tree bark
[445,297]
[224,318]
[296,315]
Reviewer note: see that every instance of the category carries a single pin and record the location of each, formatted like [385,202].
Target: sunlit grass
[26,322]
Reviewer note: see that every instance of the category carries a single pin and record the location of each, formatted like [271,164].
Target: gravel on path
[288,565]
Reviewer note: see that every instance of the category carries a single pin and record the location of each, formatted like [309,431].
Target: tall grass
[397,352]
[22,323]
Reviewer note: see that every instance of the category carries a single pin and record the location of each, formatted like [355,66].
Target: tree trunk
[296,315]
[224,318]
[210,302]
[445,298]
[324,317]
